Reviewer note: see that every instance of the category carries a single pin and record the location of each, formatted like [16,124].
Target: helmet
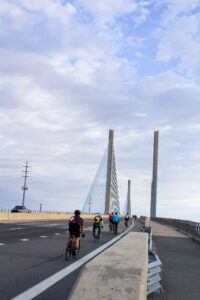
[77,212]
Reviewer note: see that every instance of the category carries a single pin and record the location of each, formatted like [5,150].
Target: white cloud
[179,36]
[70,73]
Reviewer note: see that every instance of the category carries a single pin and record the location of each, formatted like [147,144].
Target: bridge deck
[180,256]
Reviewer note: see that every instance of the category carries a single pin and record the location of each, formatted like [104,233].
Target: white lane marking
[53,224]
[24,240]
[48,282]
[43,236]
[57,233]
[16,228]
[1,244]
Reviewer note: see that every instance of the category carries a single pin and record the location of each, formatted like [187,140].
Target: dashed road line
[1,244]
[56,233]
[15,228]
[24,240]
[43,236]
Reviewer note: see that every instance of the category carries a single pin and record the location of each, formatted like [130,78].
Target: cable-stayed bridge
[103,195]
[39,246]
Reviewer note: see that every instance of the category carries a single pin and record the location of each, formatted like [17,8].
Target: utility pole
[24,187]
[40,207]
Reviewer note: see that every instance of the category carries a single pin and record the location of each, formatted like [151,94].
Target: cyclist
[97,223]
[126,219]
[76,225]
[110,221]
[115,222]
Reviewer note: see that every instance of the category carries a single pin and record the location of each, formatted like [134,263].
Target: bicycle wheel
[76,250]
[95,235]
[115,228]
[68,253]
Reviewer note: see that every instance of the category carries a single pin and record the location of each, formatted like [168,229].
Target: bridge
[32,249]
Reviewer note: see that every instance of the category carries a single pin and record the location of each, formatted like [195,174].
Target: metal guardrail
[154,265]
[143,218]
[190,227]
[154,268]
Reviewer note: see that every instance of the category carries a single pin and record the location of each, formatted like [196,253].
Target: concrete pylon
[154,175]
[109,171]
[129,198]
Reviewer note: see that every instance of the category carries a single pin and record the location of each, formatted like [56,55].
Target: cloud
[176,43]
[69,73]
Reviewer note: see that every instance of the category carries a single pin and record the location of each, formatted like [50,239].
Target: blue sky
[71,70]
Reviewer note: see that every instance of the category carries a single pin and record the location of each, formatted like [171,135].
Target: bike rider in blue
[115,221]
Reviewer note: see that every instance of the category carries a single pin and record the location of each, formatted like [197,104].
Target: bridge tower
[154,175]
[128,200]
[103,195]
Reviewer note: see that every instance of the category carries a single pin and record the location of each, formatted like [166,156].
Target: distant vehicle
[20,209]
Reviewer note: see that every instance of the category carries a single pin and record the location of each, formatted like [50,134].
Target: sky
[72,70]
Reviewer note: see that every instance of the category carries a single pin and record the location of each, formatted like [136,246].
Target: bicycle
[126,223]
[110,226]
[115,229]
[71,250]
[96,234]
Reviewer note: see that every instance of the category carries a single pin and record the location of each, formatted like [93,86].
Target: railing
[143,218]
[187,226]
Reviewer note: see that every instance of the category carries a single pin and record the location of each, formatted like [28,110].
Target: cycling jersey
[126,217]
[115,219]
[75,224]
[97,219]
[110,217]
[76,220]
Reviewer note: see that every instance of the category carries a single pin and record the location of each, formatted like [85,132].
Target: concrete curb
[120,272]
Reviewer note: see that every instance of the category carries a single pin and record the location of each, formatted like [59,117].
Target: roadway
[32,251]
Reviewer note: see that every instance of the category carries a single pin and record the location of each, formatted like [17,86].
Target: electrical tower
[25,187]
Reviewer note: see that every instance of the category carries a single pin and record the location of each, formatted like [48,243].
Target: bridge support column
[154,175]
[109,171]
[129,198]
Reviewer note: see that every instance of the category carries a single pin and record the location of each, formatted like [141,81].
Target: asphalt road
[31,252]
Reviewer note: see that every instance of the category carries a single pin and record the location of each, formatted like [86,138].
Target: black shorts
[96,225]
[74,229]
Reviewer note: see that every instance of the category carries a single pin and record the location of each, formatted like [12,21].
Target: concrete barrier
[9,217]
[120,272]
